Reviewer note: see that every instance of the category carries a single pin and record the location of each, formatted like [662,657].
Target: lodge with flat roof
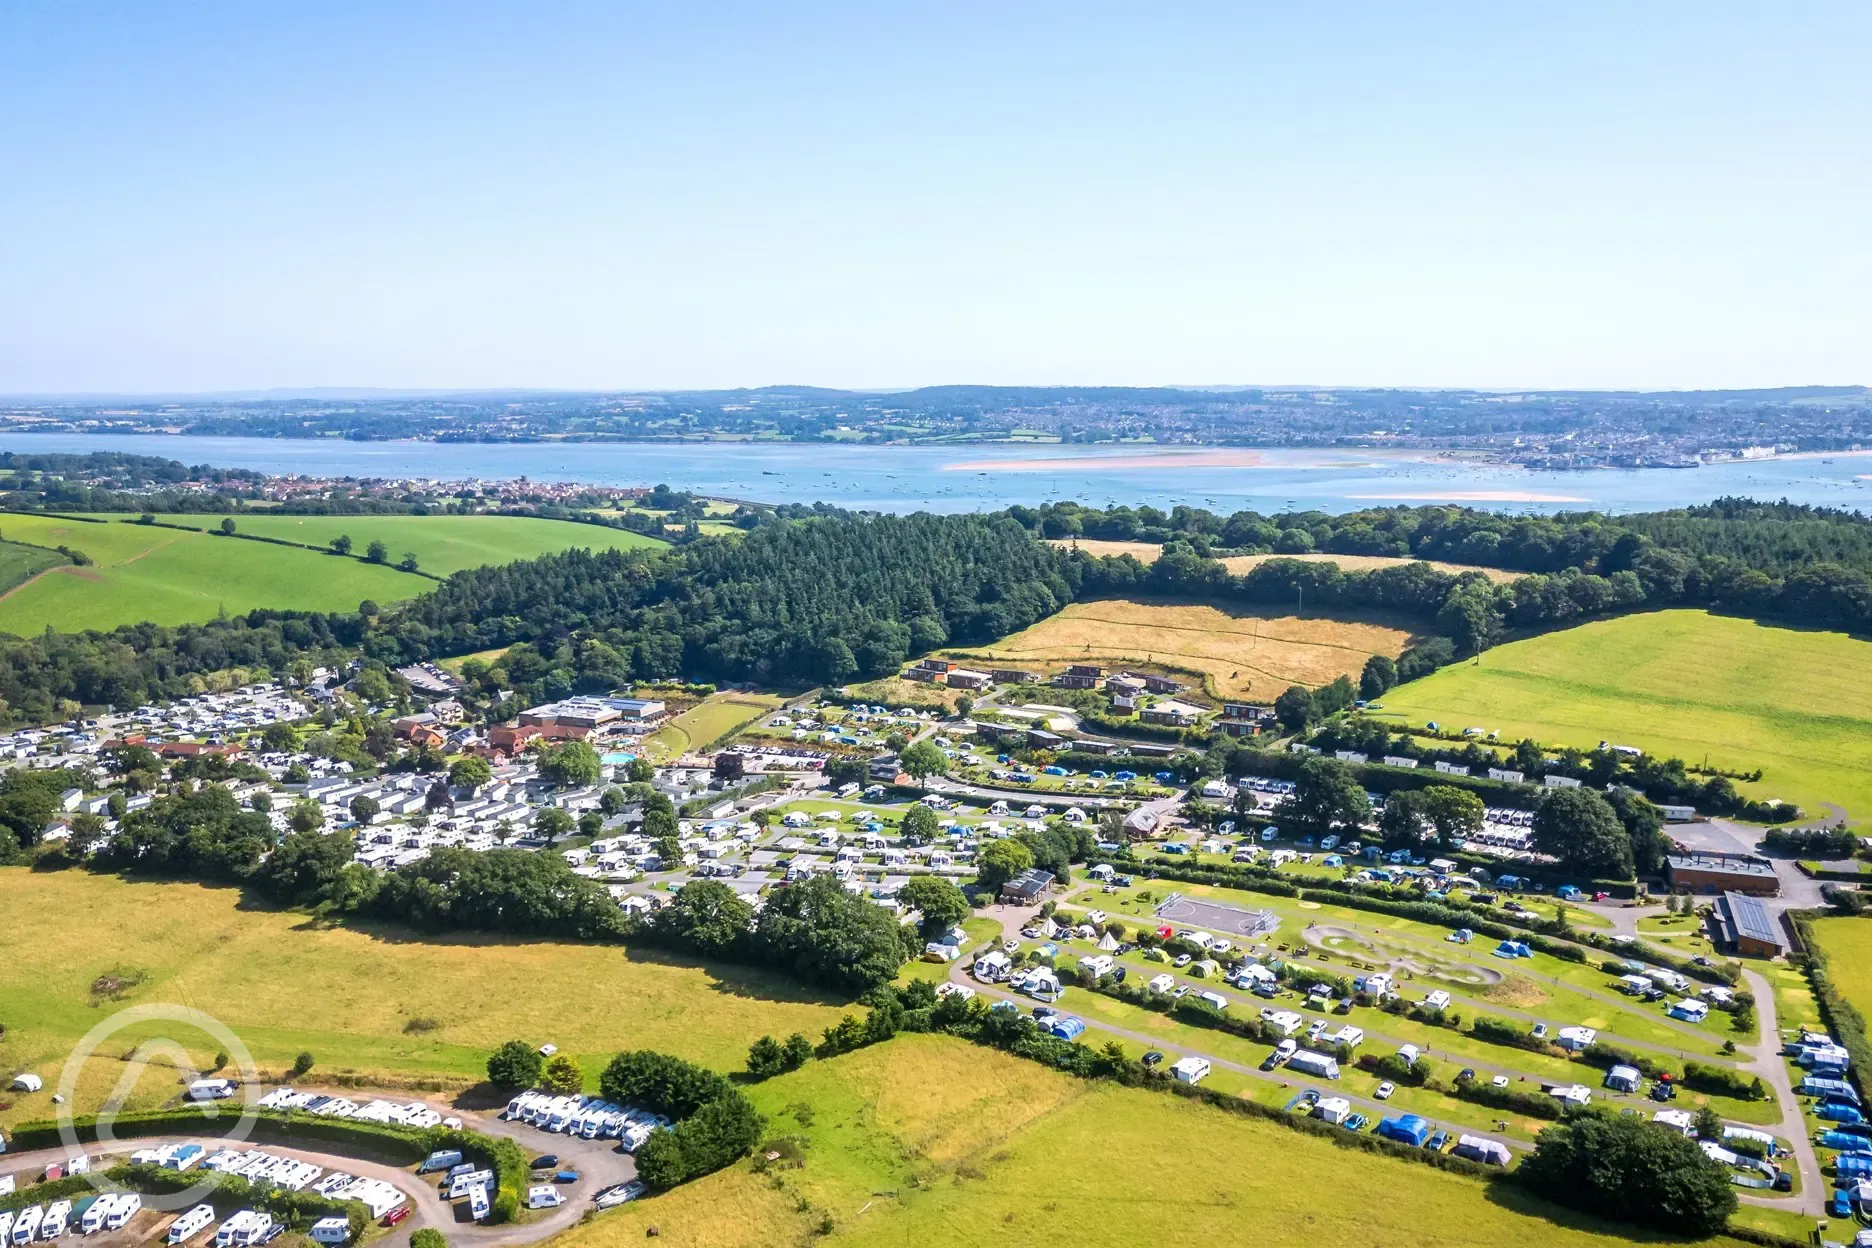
[1714,873]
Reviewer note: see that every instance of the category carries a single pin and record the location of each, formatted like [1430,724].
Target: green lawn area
[165,576]
[441,544]
[359,998]
[1743,695]
[928,1140]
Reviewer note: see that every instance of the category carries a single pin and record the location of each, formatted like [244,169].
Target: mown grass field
[441,544]
[928,1140]
[707,721]
[373,1000]
[166,576]
[1743,695]
[1847,943]
[1241,653]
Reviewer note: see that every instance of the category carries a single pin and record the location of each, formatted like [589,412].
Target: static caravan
[478,1204]
[6,1226]
[1190,1069]
[26,1225]
[461,1184]
[195,1221]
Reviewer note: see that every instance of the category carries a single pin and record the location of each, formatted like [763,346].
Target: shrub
[516,1064]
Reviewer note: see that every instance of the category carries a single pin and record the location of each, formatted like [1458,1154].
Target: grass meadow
[169,576]
[165,576]
[441,544]
[372,1001]
[1740,694]
[1240,652]
[1847,943]
[928,1140]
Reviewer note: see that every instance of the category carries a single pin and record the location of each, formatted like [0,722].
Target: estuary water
[974,478]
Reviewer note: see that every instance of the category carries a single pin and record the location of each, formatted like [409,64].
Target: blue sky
[207,197]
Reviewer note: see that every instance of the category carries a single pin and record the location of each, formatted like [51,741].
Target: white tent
[1108,942]
[27,1082]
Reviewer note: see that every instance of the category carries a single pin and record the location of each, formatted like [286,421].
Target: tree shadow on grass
[1507,1194]
[728,978]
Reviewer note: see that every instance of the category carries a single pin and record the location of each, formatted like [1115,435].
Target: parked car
[1437,1142]
[396,1215]
[1355,1122]
[549,1161]
[1153,1059]
[1385,1090]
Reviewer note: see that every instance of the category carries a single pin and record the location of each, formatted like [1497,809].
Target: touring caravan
[191,1224]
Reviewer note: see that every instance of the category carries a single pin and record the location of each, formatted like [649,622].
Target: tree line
[827,597]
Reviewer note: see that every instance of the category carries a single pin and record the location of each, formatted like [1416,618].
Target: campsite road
[1767,1062]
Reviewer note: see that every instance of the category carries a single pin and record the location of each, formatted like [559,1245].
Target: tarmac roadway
[599,1162]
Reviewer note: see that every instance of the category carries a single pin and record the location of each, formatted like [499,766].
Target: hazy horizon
[483,197]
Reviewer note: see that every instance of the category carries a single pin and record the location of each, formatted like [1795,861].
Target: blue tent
[1853,1166]
[1845,1142]
[1513,949]
[1405,1129]
[1064,1027]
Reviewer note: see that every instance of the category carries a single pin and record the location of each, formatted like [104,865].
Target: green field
[165,576]
[19,564]
[1847,944]
[350,994]
[1744,695]
[707,721]
[928,1140]
[169,576]
[441,544]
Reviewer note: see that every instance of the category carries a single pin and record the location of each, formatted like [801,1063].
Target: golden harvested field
[1147,552]
[371,999]
[1241,653]
[1365,563]
[1143,552]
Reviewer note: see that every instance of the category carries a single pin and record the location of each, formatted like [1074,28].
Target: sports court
[1215,916]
